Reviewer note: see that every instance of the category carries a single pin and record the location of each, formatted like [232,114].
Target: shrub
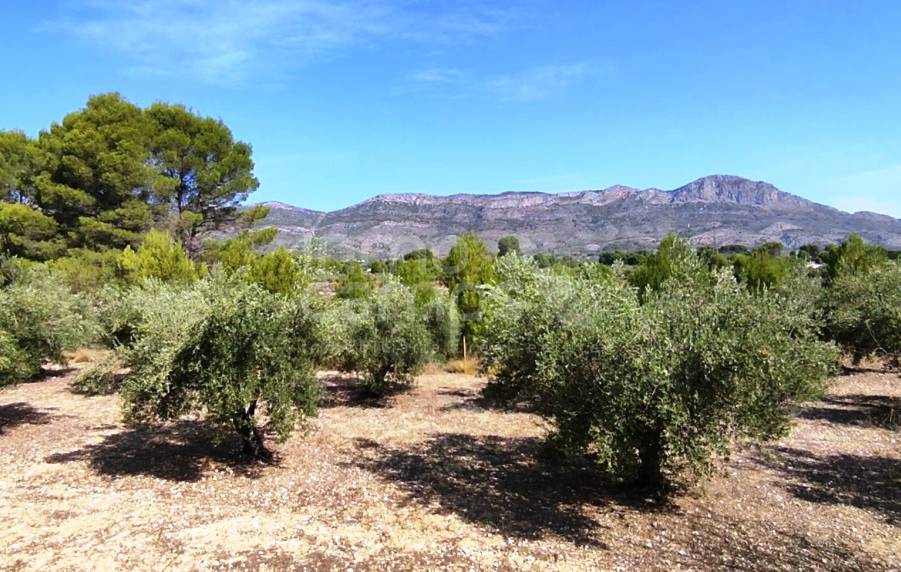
[854,256]
[388,342]
[419,272]
[159,257]
[724,364]
[118,312]
[354,283]
[762,269]
[252,351]
[519,315]
[86,270]
[277,272]
[338,321]
[653,392]
[864,313]
[508,245]
[40,318]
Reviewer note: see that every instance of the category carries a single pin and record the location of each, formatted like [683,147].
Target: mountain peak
[738,190]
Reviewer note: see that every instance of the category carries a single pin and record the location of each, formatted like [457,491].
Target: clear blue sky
[342,100]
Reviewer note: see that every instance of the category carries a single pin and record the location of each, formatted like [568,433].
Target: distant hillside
[716,210]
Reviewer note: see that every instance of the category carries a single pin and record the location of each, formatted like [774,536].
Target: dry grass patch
[468,366]
[85,355]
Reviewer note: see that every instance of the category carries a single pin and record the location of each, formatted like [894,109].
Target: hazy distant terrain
[715,210]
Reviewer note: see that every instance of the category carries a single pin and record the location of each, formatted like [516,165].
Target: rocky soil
[433,479]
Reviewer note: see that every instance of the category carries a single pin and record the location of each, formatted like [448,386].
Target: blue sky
[343,100]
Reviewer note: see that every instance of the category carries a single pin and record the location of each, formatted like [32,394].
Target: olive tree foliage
[40,318]
[442,320]
[864,312]
[387,340]
[653,391]
[102,377]
[245,354]
[728,364]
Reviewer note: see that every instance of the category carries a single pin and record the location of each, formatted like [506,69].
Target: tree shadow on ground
[715,541]
[469,400]
[864,410]
[509,484]
[490,397]
[21,413]
[52,371]
[181,451]
[350,391]
[870,483]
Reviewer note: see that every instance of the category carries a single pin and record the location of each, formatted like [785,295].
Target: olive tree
[864,312]
[387,341]
[40,318]
[653,391]
[251,354]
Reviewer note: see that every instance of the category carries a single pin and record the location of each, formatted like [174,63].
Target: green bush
[338,321]
[159,257]
[118,311]
[854,256]
[40,318]
[278,272]
[354,283]
[762,269]
[86,270]
[863,312]
[466,269]
[726,364]
[388,342]
[250,353]
[653,392]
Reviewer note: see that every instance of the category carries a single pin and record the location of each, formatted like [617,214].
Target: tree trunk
[650,469]
[254,445]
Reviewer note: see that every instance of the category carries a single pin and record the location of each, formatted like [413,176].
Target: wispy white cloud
[529,85]
[437,76]
[539,82]
[877,190]
[232,41]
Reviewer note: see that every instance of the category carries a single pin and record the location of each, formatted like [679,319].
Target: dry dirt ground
[432,479]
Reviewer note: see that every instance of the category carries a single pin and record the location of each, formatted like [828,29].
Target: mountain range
[717,210]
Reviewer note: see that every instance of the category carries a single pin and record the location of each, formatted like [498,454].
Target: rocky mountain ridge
[716,210]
